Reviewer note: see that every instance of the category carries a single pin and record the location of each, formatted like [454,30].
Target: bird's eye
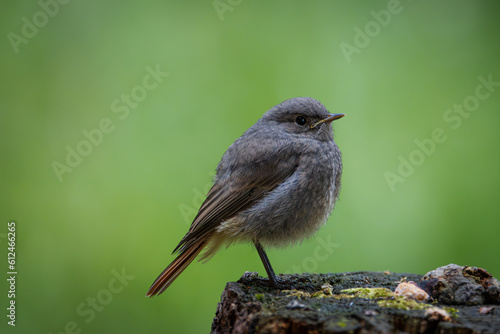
[300,120]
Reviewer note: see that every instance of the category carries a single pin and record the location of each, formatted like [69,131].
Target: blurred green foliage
[128,202]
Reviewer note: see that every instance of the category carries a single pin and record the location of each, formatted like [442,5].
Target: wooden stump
[318,305]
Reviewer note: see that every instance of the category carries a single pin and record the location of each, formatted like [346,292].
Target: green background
[129,202]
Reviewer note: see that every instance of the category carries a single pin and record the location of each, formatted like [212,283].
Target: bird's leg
[273,280]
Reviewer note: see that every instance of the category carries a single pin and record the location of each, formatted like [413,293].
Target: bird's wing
[245,186]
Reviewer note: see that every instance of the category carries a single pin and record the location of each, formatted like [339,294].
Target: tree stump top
[318,304]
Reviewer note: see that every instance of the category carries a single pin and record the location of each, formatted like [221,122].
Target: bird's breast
[297,207]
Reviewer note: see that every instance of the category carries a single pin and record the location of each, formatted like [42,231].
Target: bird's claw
[282,284]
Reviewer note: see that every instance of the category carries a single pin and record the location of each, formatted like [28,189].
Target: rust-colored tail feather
[175,268]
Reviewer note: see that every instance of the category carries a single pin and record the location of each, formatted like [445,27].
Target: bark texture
[317,304]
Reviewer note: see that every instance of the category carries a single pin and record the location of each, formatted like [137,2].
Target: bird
[275,186]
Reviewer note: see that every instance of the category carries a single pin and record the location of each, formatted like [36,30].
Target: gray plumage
[275,185]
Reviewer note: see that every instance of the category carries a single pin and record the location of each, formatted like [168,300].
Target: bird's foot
[282,284]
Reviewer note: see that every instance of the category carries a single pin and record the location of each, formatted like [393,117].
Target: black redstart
[274,186]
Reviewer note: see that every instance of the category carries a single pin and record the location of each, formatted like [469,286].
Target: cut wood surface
[355,303]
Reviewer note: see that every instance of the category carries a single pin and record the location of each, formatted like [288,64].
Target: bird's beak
[329,119]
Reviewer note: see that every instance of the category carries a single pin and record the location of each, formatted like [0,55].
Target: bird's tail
[175,268]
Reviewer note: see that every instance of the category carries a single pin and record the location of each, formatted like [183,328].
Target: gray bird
[274,186]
